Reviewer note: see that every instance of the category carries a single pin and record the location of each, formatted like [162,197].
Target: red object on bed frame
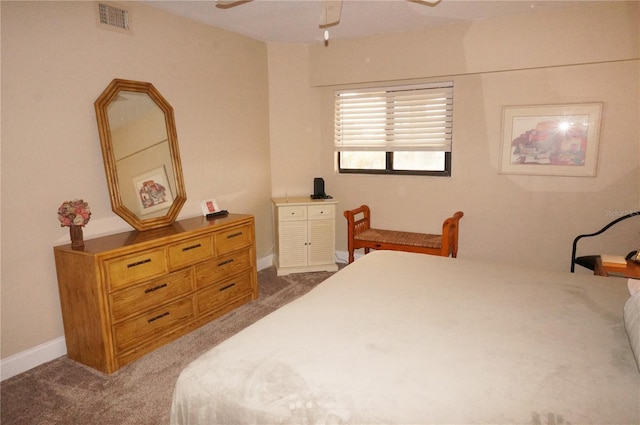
[361,235]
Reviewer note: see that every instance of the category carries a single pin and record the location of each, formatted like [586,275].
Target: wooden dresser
[129,293]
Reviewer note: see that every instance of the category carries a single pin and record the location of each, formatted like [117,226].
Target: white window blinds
[406,118]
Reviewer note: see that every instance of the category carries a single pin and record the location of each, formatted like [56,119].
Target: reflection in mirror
[142,161]
[139,138]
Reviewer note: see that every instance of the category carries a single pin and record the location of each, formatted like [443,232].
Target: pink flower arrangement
[74,213]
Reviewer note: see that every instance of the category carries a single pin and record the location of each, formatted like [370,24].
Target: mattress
[403,338]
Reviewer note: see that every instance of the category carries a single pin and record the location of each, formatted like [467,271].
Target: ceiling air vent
[113,17]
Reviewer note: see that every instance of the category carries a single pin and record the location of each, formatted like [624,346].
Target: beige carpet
[65,392]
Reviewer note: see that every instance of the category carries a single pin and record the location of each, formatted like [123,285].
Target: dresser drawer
[293,212]
[218,295]
[137,267]
[156,322]
[129,301]
[190,252]
[321,211]
[233,239]
[219,268]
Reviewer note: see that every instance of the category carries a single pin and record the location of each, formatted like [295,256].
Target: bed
[405,338]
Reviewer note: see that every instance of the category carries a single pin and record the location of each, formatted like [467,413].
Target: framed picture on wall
[153,191]
[551,140]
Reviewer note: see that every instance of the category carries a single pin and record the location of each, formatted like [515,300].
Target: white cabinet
[305,235]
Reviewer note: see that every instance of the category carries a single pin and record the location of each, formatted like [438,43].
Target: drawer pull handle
[138,263]
[155,288]
[233,235]
[224,288]
[153,319]
[187,248]
[225,262]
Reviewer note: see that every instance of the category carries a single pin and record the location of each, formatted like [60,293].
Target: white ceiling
[296,21]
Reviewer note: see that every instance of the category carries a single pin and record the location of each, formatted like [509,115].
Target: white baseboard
[265,262]
[28,359]
[343,256]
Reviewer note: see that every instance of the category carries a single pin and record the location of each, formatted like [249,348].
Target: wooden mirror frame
[109,95]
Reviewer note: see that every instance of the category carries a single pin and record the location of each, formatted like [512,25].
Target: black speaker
[318,189]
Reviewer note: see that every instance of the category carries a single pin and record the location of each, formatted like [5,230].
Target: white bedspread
[401,338]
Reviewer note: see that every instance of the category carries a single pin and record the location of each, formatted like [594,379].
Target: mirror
[140,151]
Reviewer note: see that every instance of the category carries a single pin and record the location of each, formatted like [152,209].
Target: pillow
[632,324]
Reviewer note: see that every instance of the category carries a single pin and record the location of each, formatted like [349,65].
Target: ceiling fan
[330,13]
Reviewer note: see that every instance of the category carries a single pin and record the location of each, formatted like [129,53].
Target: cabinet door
[292,244]
[321,239]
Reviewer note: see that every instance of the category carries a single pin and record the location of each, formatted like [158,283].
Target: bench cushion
[400,238]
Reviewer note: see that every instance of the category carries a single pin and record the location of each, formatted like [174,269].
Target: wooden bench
[361,235]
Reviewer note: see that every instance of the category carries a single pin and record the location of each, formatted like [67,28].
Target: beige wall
[295,122]
[231,95]
[588,54]
[55,63]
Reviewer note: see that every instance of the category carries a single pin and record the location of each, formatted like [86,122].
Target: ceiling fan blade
[331,11]
[426,2]
[227,4]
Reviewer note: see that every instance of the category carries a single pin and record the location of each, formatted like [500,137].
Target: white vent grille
[113,17]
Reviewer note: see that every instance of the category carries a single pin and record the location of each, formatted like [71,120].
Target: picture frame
[209,206]
[551,140]
[153,192]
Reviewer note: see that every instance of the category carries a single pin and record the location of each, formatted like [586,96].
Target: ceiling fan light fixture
[329,16]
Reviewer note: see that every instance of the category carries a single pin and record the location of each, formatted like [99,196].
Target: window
[395,130]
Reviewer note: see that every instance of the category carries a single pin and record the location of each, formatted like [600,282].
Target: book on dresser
[127,294]
[609,260]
